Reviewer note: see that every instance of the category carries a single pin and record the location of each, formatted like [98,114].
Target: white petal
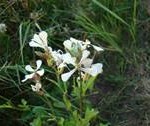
[94,70]
[66,76]
[85,54]
[62,65]
[73,40]
[83,47]
[37,39]
[29,68]
[35,44]
[43,36]
[33,88]
[38,85]
[40,72]
[79,44]
[76,41]
[54,55]
[97,68]
[57,57]
[67,58]
[87,62]
[50,49]
[38,64]
[98,48]
[67,44]
[87,42]
[29,76]
[25,79]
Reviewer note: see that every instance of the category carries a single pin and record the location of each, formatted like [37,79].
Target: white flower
[62,59]
[40,40]
[85,54]
[3,28]
[34,72]
[36,87]
[84,65]
[76,45]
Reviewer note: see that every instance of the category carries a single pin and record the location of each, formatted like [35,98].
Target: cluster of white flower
[76,56]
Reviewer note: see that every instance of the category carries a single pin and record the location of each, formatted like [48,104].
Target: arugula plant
[73,73]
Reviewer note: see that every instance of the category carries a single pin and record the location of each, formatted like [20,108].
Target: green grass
[121,27]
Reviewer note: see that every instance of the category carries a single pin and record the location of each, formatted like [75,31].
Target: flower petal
[87,62]
[37,39]
[35,44]
[85,54]
[33,88]
[67,44]
[57,57]
[50,49]
[43,36]
[62,65]
[76,41]
[25,79]
[94,70]
[38,64]
[68,59]
[29,68]
[29,76]
[98,48]
[66,76]
[87,42]
[40,72]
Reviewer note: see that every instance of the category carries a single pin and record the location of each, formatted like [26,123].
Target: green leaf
[36,122]
[88,85]
[59,105]
[39,111]
[61,122]
[7,105]
[67,102]
[90,114]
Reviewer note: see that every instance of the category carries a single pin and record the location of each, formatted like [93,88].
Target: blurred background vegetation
[122,27]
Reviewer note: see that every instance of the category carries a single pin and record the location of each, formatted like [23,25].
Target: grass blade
[110,12]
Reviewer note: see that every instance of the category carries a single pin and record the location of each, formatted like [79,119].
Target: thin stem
[59,82]
[81,97]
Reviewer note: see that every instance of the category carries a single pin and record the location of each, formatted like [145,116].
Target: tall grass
[111,26]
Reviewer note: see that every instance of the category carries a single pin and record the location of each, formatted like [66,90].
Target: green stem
[81,97]
[60,82]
